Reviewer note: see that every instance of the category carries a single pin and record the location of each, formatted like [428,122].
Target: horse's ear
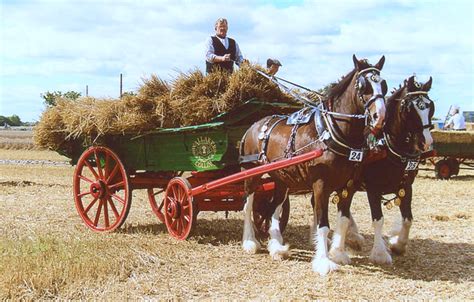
[411,81]
[380,63]
[427,86]
[356,61]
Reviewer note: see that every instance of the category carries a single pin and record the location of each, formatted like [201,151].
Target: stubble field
[47,252]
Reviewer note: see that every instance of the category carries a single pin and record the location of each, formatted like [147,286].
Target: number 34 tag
[356,155]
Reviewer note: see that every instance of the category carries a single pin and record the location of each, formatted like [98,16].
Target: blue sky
[65,45]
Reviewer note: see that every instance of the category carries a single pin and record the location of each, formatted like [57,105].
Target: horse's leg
[379,253]
[275,246]
[399,240]
[338,251]
[321,262]
[250,243]
[353,238]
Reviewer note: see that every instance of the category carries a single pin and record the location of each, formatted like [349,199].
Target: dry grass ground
[47,252]
[16,139]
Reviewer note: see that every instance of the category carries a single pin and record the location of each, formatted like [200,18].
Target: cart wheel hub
[98,189]
[174,209]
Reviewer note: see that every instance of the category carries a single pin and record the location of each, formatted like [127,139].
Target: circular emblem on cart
[204,149]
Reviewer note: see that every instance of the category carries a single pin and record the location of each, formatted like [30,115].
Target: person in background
[272,66]
[456,121]
[222,51]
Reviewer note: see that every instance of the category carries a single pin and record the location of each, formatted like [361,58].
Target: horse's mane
[392,102]
[337,90]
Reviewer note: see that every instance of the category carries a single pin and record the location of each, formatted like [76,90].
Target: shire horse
[406,134]
[335,127]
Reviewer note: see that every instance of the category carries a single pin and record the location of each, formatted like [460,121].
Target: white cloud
[68,44]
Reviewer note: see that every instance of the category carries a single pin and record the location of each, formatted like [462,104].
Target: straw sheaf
[465,137]
[192,98]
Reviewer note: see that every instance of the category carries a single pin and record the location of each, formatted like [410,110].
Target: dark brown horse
[406,134]
[337,127]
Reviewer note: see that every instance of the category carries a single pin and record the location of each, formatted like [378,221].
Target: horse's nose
[378,116]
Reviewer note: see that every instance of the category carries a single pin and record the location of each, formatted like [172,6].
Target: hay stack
[191,99]
[464,137]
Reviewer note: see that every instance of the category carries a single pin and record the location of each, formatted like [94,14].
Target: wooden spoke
[112,206]
[106,214]
[90,205]
[122,201]
[118,185]
[97,164]
[86,179]
[86,162]
[97,215]
[84,194]
[112,174]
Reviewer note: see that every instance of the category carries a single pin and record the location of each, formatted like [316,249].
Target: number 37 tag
[356,155]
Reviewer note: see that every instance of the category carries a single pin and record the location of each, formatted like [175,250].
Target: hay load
[190,99]
[463,137]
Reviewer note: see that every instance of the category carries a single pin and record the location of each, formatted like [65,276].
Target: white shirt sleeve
[210,56]
[238,55]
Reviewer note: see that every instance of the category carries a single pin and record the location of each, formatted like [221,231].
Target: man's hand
[226,57]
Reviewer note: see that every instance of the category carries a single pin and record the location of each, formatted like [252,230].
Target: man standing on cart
[222,51]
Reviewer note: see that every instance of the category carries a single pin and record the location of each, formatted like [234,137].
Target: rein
[309,102]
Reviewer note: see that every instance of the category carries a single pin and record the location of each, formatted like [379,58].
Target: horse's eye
[375,78]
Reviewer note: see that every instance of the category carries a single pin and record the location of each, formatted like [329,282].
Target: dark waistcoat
[220,50]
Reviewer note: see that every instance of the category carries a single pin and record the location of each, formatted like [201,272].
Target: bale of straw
[192,98]
[464,137]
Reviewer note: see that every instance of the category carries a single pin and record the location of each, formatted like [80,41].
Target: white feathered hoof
[397,247]
[250,246]
[355,241]
[323,266]
[339,256]
[278,251]
[380,256]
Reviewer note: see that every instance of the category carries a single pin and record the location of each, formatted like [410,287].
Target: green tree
[15,120]
[50,98]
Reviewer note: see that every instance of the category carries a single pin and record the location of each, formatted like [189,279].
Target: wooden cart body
[196,168]
[454,152]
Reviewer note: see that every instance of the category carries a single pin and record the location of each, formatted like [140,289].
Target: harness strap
[290,147]
[262,156]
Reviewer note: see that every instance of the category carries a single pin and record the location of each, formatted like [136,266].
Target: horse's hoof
[278,251]
[355,241]
[339,256]
[380,257]
[250,246]
[397,247]
[323,266]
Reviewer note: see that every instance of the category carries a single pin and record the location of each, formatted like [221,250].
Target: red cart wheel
[101,189]
[152,195]
[262,224]
[443,169]
[179,208]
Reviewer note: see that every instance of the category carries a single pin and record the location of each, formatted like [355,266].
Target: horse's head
[371,90]
[416,111]
[419,110]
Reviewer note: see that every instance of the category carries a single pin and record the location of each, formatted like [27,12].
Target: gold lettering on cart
[204,149]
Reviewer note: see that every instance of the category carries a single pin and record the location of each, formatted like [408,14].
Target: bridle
[361,85]
[411,99]
[418,100]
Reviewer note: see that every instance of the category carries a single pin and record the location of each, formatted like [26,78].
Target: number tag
[356,155]
[411,165]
